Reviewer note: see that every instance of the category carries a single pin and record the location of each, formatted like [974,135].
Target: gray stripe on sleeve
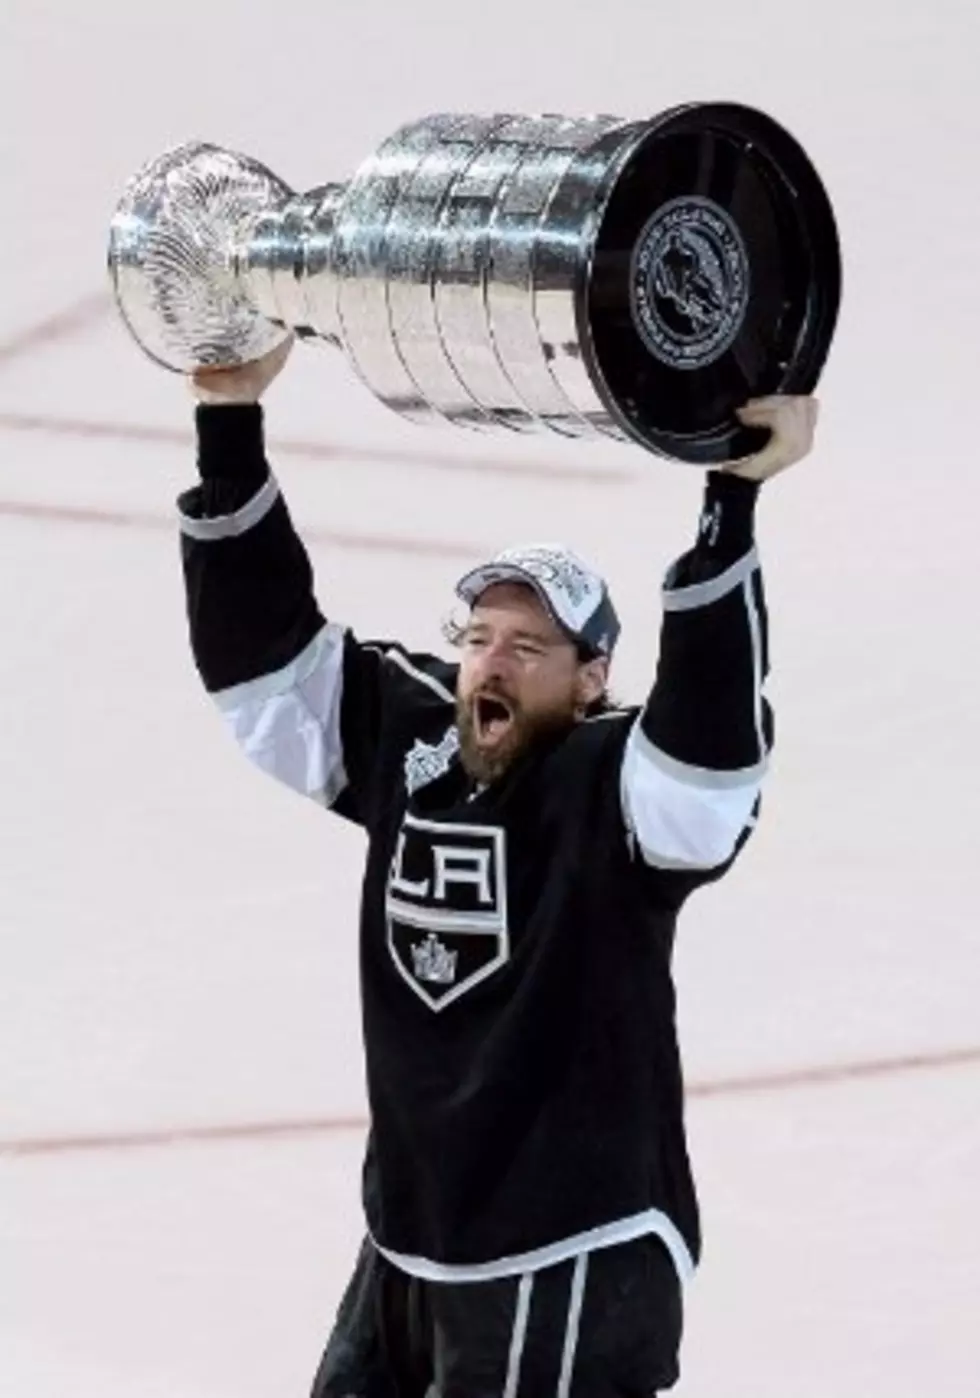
[684,599]
[696,776]
[328,642]
[231,526]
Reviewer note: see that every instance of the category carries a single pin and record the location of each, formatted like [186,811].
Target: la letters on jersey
[446,907]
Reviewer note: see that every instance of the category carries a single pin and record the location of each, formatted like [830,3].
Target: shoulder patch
[425,762]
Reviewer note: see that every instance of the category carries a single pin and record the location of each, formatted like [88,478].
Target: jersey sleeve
[697,754]
[302,696]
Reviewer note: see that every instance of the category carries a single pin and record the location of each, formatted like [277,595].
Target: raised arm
[302,697]
[696,758]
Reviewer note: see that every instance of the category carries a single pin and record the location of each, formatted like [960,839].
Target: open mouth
[493,717]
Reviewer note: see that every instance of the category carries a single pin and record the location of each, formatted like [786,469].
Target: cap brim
[474,584]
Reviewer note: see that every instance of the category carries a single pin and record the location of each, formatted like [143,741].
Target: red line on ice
[791,1079]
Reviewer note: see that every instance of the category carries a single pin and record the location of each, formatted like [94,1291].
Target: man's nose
[497,660]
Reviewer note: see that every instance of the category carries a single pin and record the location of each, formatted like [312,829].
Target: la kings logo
[446,908]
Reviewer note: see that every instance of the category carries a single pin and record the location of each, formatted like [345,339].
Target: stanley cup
[592,277]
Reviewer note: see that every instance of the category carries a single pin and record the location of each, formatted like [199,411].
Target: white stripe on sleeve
[684,817]
[518,1335]
[288,723]
[573,1324]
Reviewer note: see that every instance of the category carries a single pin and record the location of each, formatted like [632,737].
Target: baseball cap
[575,595]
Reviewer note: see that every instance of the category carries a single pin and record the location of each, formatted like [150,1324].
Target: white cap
[575,595]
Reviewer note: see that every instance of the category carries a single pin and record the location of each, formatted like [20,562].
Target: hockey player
[530,1208]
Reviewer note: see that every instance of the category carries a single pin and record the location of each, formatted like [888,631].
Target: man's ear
[593,676]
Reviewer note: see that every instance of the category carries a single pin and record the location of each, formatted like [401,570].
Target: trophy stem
[285,263]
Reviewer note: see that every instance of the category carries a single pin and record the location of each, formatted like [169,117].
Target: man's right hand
[245,383]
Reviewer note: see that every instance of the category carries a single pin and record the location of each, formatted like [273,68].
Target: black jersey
[523,1072]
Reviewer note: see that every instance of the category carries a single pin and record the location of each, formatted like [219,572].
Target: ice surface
[176,934]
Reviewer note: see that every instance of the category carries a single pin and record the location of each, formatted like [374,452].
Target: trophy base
[715,279]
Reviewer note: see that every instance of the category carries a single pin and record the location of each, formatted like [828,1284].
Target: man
[529,1202]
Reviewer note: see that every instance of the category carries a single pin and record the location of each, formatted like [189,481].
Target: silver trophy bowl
[590,277]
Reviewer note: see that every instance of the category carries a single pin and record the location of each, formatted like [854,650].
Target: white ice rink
[177,948]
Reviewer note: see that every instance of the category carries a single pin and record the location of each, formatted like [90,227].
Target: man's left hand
[791,422]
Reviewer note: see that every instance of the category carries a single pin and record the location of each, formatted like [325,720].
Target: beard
[526,730]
